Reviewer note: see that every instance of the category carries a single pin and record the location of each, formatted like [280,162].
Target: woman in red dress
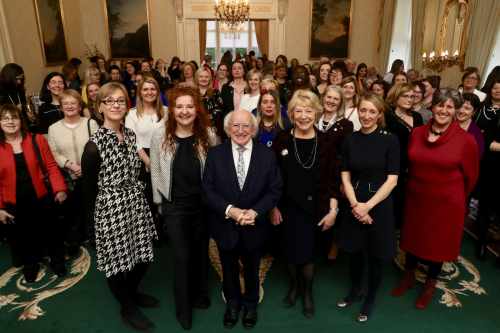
[443,169]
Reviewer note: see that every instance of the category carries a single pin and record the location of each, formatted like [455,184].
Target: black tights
[434,267]
[356,270]
[303,273]
[124,285]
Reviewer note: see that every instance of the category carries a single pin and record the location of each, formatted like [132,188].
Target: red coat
[441,175]
[8,170]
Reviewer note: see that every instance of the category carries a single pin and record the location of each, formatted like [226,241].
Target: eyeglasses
[111,102]
[9,119]
[243,126]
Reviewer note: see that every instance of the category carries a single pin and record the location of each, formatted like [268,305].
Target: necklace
[308,164]
[436,133]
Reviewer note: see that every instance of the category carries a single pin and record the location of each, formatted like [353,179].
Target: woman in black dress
[309,201]
[370,167]
[400,121]
[178,154]
[50,111]
[210,97]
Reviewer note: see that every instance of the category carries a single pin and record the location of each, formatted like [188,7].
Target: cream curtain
[387,11]
[417,32]
[262,34]
[485,15]
[202,24]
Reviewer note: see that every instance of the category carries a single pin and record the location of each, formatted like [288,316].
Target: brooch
[284,152]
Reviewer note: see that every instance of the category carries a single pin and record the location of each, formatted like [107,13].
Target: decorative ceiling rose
[232,13]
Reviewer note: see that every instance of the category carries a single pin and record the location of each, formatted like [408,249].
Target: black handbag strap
[88,127]
[41,163]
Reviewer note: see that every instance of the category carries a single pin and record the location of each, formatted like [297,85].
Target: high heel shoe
[352,297]
[365,313]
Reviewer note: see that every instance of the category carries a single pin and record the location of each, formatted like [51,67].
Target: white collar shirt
[247,154]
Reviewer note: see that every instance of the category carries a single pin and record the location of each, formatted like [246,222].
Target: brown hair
[396,91]
[139,104]
[352,79]
[201,122]
[277,120]
[14,112]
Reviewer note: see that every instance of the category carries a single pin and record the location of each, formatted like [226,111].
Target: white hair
[228,122]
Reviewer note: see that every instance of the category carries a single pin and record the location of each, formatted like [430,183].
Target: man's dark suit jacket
[261,192]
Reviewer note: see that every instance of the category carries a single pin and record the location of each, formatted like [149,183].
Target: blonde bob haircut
[338,90]
[396,92]
[108,89]
[379,104]
[304,98]
[71,93]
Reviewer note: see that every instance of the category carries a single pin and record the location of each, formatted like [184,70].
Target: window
[401,34]
[220,41]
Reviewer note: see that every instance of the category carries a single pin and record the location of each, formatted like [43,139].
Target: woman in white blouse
[250,100]
[144,119]
[67,139]
[146,116]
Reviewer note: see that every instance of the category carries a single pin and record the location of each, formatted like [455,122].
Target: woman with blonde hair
[370,168]
[115,203]
[67,138]
[309,202]
[91,111]
[401,120]
[210,98]
[178,154]
[249,101]
[92,75]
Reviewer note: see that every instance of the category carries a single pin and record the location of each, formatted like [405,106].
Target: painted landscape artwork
[330,20]
[51,29]
[128,28]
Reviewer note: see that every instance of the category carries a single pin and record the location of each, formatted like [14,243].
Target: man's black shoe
[231,317]
[249,319]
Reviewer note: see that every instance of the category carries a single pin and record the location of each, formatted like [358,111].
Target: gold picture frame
[51,31]
[339,45]
[130,45]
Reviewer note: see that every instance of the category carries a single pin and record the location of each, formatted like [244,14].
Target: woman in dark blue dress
[370,168]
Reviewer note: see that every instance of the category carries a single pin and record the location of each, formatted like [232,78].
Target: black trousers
[188,236]
[231,276]
[75,231]
[374,267]
[36,229]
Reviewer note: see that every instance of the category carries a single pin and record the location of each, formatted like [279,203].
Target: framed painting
[330,28]
[128,28]
[50,21]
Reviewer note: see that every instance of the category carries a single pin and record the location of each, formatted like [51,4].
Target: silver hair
[442,95]
[228,122]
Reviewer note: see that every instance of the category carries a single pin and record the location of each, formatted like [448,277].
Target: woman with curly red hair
[178,154]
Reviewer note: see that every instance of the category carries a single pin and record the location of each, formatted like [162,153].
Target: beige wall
[364,30]
[85,23]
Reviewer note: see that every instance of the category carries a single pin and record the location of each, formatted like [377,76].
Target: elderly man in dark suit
[241,184]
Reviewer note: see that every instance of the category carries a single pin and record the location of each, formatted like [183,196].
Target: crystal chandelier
[232,13]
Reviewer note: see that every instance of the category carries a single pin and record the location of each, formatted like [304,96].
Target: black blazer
[261,192]
[227,97]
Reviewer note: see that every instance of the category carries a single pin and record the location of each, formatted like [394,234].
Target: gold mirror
[454,28]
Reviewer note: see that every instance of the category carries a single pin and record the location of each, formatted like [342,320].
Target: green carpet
[88,306]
